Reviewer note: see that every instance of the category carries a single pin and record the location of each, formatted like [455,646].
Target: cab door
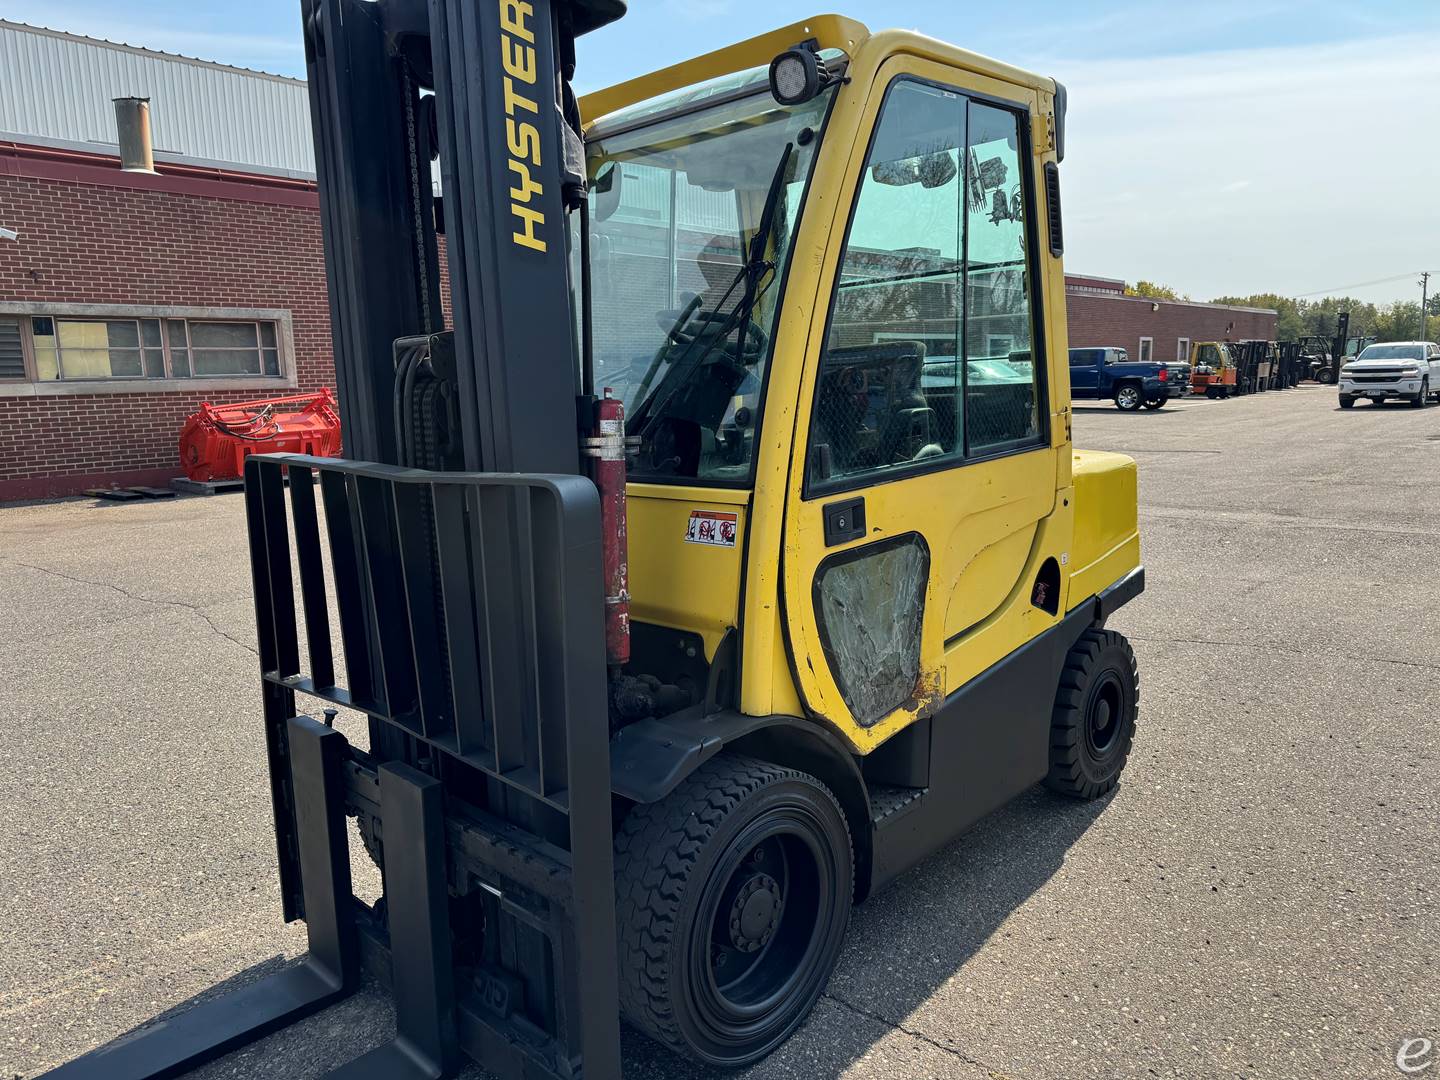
[925,461]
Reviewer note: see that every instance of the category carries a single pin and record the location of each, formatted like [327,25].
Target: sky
[1222,148]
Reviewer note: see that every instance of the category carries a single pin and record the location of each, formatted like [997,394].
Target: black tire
[1347,403]
[1423,397]
[1128,397]
[1155,403]
[1093,725]
[746,866]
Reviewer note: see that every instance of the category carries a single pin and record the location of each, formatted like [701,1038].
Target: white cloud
[1285,169]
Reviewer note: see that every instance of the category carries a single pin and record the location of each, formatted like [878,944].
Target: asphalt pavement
[1259,898]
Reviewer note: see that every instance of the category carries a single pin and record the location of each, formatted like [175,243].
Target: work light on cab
[798,74]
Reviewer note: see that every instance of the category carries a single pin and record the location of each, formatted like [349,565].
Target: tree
[1399,321]
[1154,290]
[1289,325]
[1432,310]
[1320,317]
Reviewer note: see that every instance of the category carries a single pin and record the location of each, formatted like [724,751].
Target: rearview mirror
[930,171]
[606,190]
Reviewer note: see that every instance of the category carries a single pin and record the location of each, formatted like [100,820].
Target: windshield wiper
[647,413]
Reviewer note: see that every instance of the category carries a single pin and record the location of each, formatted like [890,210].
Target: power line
[1356,285]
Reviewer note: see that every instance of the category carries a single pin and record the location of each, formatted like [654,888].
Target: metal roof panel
[59,87]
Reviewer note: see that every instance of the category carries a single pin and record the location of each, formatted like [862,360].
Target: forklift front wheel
[1093,724]
[732,898]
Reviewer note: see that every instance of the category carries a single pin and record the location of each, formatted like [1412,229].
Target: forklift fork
[469,608]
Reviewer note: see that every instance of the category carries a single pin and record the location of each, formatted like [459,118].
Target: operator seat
[870,409]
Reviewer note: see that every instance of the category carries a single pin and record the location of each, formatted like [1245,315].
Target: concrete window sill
[265,385]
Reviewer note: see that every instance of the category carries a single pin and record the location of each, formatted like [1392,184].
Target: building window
[12,350]
[69,349]
[1147,349]
[1182,350]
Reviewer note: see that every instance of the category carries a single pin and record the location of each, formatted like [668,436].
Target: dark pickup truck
[1109,373]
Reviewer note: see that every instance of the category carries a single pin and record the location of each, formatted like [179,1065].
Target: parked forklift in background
[1289,364]
[1328,355]
[647,700]
[1213,371]
[1253,365]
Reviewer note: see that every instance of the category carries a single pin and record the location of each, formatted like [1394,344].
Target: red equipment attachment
[606,449]
[215,441]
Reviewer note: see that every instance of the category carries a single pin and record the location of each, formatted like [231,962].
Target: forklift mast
[485,89]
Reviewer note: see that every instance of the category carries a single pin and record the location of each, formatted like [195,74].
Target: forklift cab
[837,323]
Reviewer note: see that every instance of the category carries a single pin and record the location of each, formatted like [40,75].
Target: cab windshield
[692,220]
[1211,356]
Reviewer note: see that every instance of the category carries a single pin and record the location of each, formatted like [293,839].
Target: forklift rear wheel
[1093,724]
[732,898]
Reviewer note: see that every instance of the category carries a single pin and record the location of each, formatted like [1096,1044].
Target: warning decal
[712,527]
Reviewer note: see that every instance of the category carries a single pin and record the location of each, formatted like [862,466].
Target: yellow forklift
[1213,371]
[819,582]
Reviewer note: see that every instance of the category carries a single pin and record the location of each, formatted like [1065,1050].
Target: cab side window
[927,359]
[1002,380]
[886,394]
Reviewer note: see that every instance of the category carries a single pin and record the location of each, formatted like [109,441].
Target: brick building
[127,298]
[1100,314]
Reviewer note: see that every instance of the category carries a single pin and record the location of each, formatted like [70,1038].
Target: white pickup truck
[1392,369]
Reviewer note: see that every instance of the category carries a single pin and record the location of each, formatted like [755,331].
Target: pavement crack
[142,599]
[895,1025]
[1279,647]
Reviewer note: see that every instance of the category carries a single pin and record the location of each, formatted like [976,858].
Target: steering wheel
[673,325]
[677,332]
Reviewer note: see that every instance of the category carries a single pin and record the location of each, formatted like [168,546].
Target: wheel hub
[755,913]
[1103,717]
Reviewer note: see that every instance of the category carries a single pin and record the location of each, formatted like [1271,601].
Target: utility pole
[1424,296]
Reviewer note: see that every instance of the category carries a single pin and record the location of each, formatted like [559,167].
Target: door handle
[844,520]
